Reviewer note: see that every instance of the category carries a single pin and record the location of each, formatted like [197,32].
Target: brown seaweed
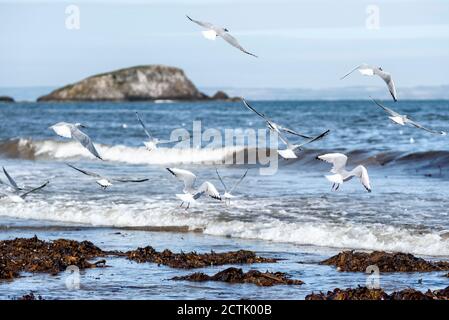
[236,275]
[35,255]
[195,260]
[385,261]
[364,293]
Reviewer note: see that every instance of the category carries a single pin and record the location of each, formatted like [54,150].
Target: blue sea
[292,215]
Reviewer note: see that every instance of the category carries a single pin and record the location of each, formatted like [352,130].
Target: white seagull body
[152,142]
[367,70]
[16,193]
[289,152]
[340,174]
[227,195]
[212,32]
[191,194]
[105,182]
[403,119]
[72,131]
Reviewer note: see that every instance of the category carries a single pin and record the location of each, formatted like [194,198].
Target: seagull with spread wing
[403,119]
[227,195]
[152,143]
[289,152]
[340,174]
[72,131]
[16,193]
[368,70]
[103,181]
[212,32]
[191,194]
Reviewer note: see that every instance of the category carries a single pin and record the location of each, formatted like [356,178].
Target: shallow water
[292,214]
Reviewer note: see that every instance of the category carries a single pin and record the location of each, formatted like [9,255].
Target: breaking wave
[64,150]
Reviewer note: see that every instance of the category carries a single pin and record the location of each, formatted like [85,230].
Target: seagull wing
[388,110]
[143,126]
[389,81]
[238,182]
[362,173]
[338,161]
[233,42]
[11,180]
[130,180]
[62,129]
[293,132]
[417,125]
[318,137]
[356,68]
[209,189]
[221,180]
[185,176]
[255,111]
[206,25]
[87,173]
[85,141]
[34,190]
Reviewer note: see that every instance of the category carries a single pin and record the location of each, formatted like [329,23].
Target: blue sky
[306,44]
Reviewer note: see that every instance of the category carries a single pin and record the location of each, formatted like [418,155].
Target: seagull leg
[181,204]
[338,186]
[332,189]
[188,205]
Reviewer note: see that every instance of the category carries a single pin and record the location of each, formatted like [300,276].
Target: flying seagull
[103,181]
[403,119]
[152,143]
[367,70]
[227,195]
[338,161]
[72,131]
[273,126]
[289,152]
[17,194]
[212,32]
[191,194]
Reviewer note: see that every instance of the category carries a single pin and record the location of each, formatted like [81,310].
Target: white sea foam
[159,213]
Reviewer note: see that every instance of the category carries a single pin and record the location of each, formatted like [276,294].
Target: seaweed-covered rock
[385,261]
[360,293]
[35,255]
[192,259]
[363,293]
[31,297]
[236,275]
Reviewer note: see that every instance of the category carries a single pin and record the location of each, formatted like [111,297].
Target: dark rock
[363,293]
[235,275]
[220,95]
[141,83]
[385,261]
[192,259]
[31,297]
[6,99]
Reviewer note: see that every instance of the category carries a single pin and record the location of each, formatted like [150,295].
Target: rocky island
[6,99]
[140,83]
